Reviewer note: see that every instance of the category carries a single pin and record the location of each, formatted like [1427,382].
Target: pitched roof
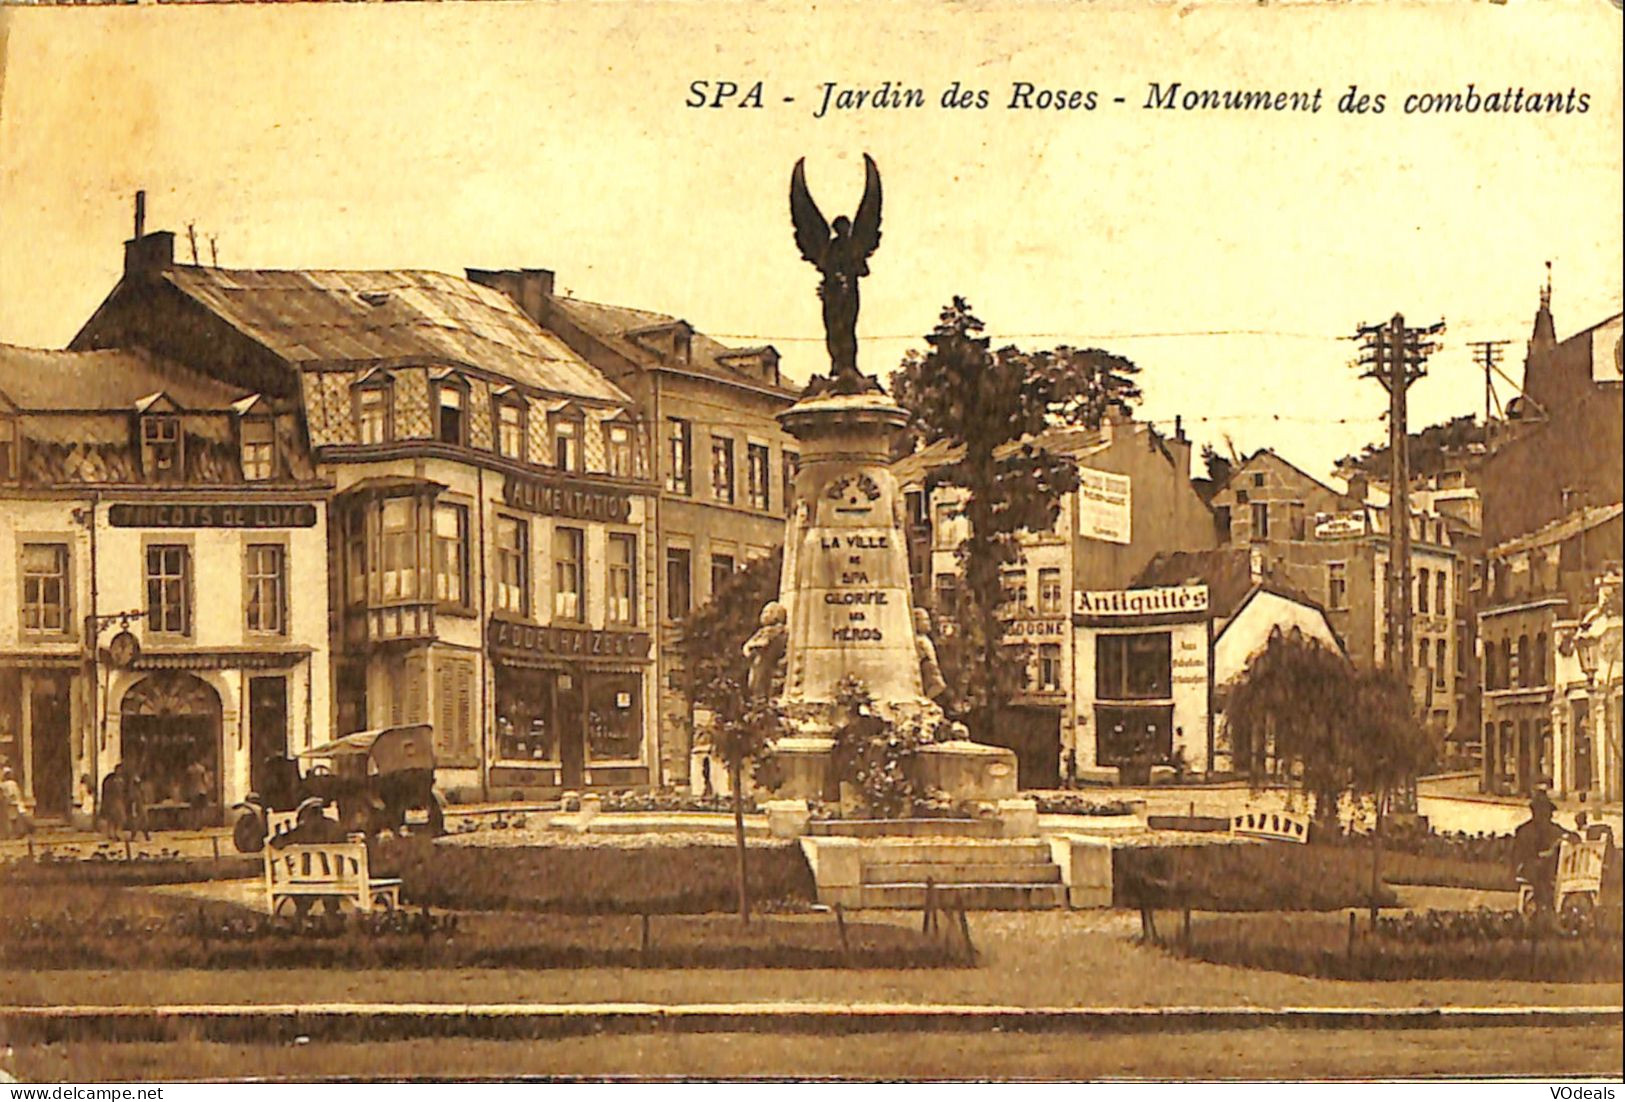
[614,325]
[315,317]
[1581,520]
[111,379]
[1078,443]
[1270,453]
[1227,572]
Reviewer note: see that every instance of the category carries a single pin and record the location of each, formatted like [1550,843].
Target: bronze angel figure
[842,257]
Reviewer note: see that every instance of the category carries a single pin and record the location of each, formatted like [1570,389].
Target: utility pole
[1489,356]
[1396,356]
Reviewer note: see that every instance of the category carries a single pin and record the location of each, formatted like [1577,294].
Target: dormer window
[161,445]
[372,412]
[259,448]
[618,445]
[8,448]
[451,406]
[510,419]
[567,432]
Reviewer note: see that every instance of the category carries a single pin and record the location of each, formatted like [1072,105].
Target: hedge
[675,879]
[1236,877]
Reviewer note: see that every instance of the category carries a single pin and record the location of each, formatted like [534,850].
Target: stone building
[163,567]
[722,465]
[1538,587]
[1135,500]
[492,569]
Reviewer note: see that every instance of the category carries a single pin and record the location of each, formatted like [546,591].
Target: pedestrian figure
[115,803]
[1149,883]
[135,809]
[1535,847]
[197,782]
[14,821]
[1072,767]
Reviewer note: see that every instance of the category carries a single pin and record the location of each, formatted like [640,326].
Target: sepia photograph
[980,542]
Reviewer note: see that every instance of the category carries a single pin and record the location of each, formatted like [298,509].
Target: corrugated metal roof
[323,316]
[46,379]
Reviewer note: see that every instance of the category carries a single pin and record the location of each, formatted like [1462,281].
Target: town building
[722,466]
[490,554]
[1333,547]
[1135,499]
[163,576]
[1539,587]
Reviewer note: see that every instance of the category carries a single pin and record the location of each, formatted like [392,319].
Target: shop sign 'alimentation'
[554,499]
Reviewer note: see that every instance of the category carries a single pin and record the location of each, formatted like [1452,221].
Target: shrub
[679,879]
[672,801]
[1237,877]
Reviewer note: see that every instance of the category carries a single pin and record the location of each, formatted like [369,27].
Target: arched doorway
[170,724]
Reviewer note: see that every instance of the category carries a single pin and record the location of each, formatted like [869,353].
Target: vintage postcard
[970,541]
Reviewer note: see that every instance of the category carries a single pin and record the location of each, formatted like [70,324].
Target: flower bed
[651,879]
[1070,803]
[671,800]
[115,871]
[1263,877]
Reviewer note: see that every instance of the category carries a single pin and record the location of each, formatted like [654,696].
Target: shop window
[622,580]
[513,563]
[1337,585]
[372,413]
[265,610]
[614,717]
[757,467]
[722,469]
[618,444]
[451,555]
[161,446]
[400,566]
[454,709]
[569,574]
[451,413]
[1049,667]
[510,429]
[45,588]
[1050,597]
[792,467]
[524,715]
[1422,590]
[567,433]
[259,448]
[169,589]
[1261,521]
[1133,667]
[680,454]
[679,582]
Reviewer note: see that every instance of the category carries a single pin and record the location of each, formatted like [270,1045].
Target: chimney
[530,288]
[1359,486]
[140,213]
[148,253]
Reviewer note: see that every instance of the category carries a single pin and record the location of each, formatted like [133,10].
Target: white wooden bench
[334,870]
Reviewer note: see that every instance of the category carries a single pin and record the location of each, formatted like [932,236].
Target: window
[451,555]
[622,581]
[792,467]
[1133,667]
[8,448]
[756,463]
[1337,585]
[400,550]
[722,469]
[524,709]
[679,582]
[1422,590]
[511,430]
[1461,654]
[1441,653]
[1261,520]
[1441,593]
[567,433]
[355,554]
[918,515]
[1258,480]
[454,709]
[169,582]
[569,574]
[1050,598]
[372,414]
[45,588]
[680,441]
[1241,497]
[513,565]
[722,568]
[619,438]
[1526,671]
[259,448]
[1505,663]
[451,425]
[614,717]
[161,446]
[947,594]
[1049,667]
[265,610]
[1538,672]
[1015,588]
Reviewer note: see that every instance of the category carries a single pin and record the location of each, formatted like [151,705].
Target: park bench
[1276,826]
[333,870]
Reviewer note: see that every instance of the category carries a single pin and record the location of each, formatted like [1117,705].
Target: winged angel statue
[842,256]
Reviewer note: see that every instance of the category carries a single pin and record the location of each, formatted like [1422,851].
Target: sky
[1230,254]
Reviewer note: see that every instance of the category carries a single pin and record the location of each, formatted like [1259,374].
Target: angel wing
[812,232]
[866,224]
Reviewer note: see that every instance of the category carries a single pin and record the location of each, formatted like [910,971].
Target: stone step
[905,828]
[967,851]
[990,896]
[1035,872]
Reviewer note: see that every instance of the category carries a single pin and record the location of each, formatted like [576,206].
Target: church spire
[1545,333]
